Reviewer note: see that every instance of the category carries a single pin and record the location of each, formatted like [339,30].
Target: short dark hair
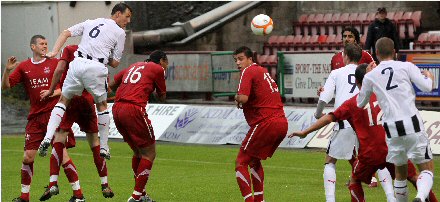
[382,10]
[120,7]
[353,52]
[360,72]
[247,52]
[385,47]
[35,37]
[156,55]
[354,31]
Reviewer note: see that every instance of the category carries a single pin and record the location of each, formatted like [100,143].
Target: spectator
[381,27]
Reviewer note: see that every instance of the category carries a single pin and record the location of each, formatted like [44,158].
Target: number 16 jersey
[138,81]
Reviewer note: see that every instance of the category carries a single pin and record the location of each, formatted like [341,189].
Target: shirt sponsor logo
[47,70]
[39,82]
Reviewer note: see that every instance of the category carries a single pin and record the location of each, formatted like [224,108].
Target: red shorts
[81,110]
[263,139]
[133,124]
[363,171]
[36,130]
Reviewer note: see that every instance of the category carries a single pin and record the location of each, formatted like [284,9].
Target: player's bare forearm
[242,99]
[323,121]
[5,80]
[62,38]
[56,93]
[161,97]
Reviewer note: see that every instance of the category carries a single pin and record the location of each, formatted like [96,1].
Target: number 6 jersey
[101,38]
[391,81]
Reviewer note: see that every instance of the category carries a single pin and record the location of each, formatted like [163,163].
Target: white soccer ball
[262,25]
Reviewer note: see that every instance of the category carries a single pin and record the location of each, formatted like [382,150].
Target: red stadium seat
[421,40]
[268,45]
[262,59]
[278,43]
[370,18]
[302,44]
[414,24]
[329,42]
[298,25]
[322,41]
[436,44]
[314,24]
[338,42]
[312,44]
[288,42]
[310,19]
[342,22]
[359,20]
[402,24]
[331,27]
[390,16]
[272,60]
[325,21]
[352,18]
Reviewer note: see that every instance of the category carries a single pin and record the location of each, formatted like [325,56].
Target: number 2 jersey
[138,81]
[101,38]
[391,81]
[264,99]
[364,121]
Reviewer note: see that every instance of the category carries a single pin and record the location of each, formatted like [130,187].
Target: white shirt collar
[39,62]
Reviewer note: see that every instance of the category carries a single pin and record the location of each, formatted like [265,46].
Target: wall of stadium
[204,124]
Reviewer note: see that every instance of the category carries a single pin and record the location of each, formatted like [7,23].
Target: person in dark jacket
[381,27]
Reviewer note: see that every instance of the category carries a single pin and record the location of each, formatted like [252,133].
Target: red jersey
[36,77]
[338,61]
[138,81]
[67,55]
[264,98]
[372,145]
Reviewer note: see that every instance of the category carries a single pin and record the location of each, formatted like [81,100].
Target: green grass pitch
[185,172]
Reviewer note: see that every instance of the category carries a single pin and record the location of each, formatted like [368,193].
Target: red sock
[432,197]
[356,192]
[72,176]
[27,170]
[56,159]
[100,163]
[243,180]
[257,174]
[143,172]
[134,164]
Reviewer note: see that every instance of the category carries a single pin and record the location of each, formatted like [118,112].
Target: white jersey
[341,83]
[101,39]
[391,81]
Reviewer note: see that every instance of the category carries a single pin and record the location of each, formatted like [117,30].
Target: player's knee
[29,156]
[92,139]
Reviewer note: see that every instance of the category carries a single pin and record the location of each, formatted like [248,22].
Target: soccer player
[260,100]
[82,111]
[102,43]
[136,83]
[36,74]
[392,81]
[372,146]
[349,35]
[340,84]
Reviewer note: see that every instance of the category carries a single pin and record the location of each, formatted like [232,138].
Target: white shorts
[413,146]
[342,143]
[86,74]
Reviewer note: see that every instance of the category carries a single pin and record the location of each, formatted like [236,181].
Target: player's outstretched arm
[59,43]
[323,121]
[61,68]
[113,63]
[11,65]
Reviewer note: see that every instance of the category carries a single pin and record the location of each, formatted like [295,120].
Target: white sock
[55,119]
[424,184]
[401,190]
[330,181]
[387,184]
[103,127]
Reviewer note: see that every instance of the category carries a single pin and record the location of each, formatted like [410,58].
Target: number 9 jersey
[138,81]
[101,38]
